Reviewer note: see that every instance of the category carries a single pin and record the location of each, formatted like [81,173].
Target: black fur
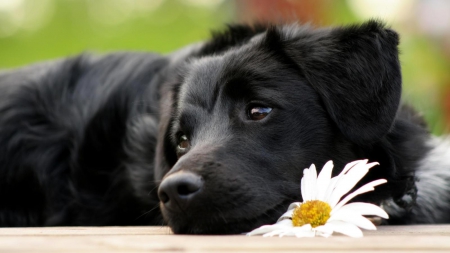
[87,140]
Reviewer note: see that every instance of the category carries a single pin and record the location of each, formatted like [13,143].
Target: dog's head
[253,108]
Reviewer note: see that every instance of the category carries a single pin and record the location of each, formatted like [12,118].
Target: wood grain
[160,239]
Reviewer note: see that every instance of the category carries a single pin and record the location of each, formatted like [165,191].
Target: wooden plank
[160,239]
[83,231]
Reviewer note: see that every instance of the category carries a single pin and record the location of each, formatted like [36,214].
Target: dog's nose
[178,190]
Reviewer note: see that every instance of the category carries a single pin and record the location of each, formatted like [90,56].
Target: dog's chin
[219,223]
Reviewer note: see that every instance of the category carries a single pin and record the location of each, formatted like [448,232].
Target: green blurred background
[36,30]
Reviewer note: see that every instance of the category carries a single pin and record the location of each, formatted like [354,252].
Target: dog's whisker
[152,190]
[220,214]
[149,211]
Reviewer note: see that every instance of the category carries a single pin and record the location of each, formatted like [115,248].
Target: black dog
[216,135]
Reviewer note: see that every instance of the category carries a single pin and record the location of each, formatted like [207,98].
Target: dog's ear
[355,70]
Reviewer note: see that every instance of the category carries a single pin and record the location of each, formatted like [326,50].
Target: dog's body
[227,125]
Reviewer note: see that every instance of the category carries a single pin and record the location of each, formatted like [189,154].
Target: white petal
[286,216]
[345,228]
[312,182]
[305,185]
[288,213]
[353,217]
[325,231]
[294,205]
[365,209]
[286,233]
[363,189]
[262,230]
[349,180]
[308,183]
[281,225]
[323,234]
[275,232]
[346,181]
[323,180]
[348,166]
[284,224]
[303,231]
[330,189]
[336,179]
[304,227]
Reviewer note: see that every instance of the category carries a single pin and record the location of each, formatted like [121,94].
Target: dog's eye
[258,112]
[183,143]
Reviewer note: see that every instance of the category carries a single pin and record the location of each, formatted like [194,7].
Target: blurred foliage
[74,26]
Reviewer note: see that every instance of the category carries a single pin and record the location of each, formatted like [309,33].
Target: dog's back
[65,128]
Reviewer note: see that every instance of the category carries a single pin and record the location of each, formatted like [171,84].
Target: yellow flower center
[314,212]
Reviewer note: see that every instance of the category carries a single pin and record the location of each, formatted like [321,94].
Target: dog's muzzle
[178,190]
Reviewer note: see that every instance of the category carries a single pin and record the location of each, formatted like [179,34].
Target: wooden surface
[160,239]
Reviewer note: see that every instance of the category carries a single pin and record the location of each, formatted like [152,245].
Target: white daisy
[322,211]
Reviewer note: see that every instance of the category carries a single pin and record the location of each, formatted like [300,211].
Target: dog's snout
[178,190]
